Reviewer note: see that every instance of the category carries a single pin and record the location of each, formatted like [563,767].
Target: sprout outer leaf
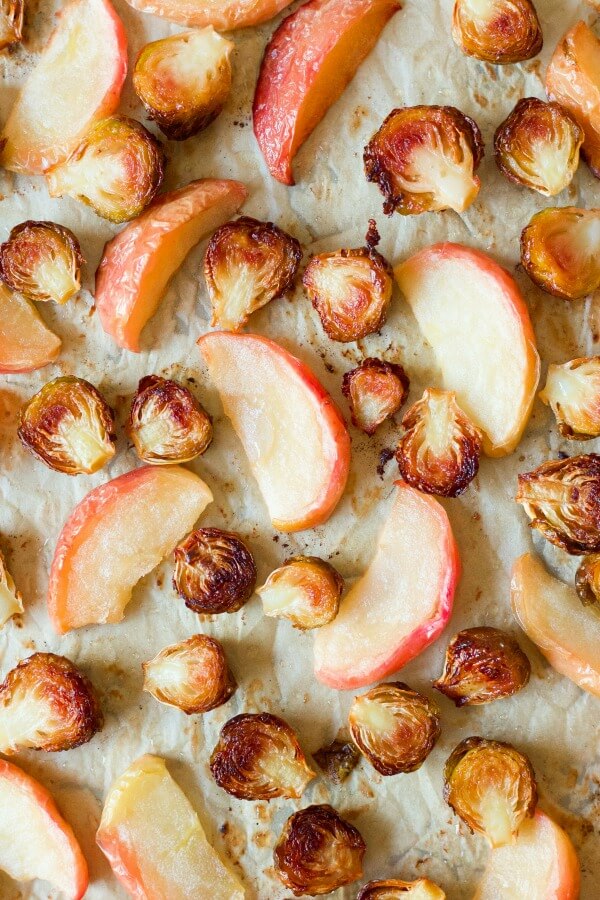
[11,602]
[42,261]
[11,22]
[192,675]
[375,390]
[587,581]
[572,392]
[337,760]
[305,589]
[395,889]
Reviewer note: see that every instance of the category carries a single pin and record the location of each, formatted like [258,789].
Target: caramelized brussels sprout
[424,159]
[117,169]
[394,889]
[46,703]
[587,580]
[562,499]
[166,424]
[318,852]
[497,31]
[192,675]
[375,390]
[184,80]
[69,426]
[305,589]
[394,727]
[214,571]
[483,664]
[338,760]
[248,264]
[492,787]
[560,251]
[258,757]
[11,22]
[11,602]
[42,261]
[573,393]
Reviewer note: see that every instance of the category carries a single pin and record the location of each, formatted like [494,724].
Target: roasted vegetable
[587,580]
[338,760]
[117,169]
[258,757]
[42,261]
[375,390]
[424,159]
[11,602]
[11,22]
[318,852]
[184,80]
[214,571]
[248,264]
[305,589]
[69,426]
[492,787]
[46,703]
[483,664]
[394,727]
[192,675]
[560,251]
[497,31]
[166,424]
[573,393]
[394,889]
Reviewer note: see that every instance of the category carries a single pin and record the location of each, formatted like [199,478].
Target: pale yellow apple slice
[25,342]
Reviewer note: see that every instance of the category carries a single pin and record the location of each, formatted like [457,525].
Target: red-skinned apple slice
[308,62]
[403,601]
[224,15]
[295,439]
[472,313]
[35,840]
[138,262]
[118,533]
[76,82]
[26,343]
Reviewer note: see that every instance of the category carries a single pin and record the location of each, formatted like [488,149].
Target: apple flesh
[401,603]
[471,312]
[294,437]
[26,343]
[224,15]
[118,533]
[76,82]
[139,261]
[308,62]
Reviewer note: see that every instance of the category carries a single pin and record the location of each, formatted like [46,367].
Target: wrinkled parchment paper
[408,828]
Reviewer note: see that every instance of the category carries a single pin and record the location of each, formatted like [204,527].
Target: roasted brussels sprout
[184,80]
[492,787]
[117,169]
[46,703]
[338,760]
[497,31]
[483,664]
[192,675]
[560,251]
[305,589]
[375,390]
[573,393]
[258,757]
[394,727]
[248,264]
[11,602]
[42,261]
[318,852]
[11,22]
[214,571]
[587,580]
[562,499]
[166,424]
[69,426]
[424,159]
[394,889]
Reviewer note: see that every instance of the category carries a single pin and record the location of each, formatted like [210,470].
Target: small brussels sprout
[258,757]
[424,159]
[166,424]
[394,727]
[69,426]
[42,261]
[394,889]
[11,602]
[483,664]
[247,264]
[492,787]
[573,393]
[587,581]
[214,571]
[117,169]
[46,703]
[11,22]
[560,251]
[318,852]
[337,760]
[375,390]
[192,675]
[562,500]
[497,31]
[305,589]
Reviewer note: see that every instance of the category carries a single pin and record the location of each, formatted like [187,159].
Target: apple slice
[155,843]
[308,62]
[25,342]
[35,840]
[401,603]
[541,865]
[119,532]
[471,312]
[138,262]
[295,439]
[224,15]
[76,82]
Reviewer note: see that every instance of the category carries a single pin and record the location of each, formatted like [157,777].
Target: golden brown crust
[511,34]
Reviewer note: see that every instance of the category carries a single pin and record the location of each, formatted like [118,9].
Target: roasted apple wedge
[118,533]
[298,447]
[472,313]
[138,262]
[224,15]
[401,603]
[26,343]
